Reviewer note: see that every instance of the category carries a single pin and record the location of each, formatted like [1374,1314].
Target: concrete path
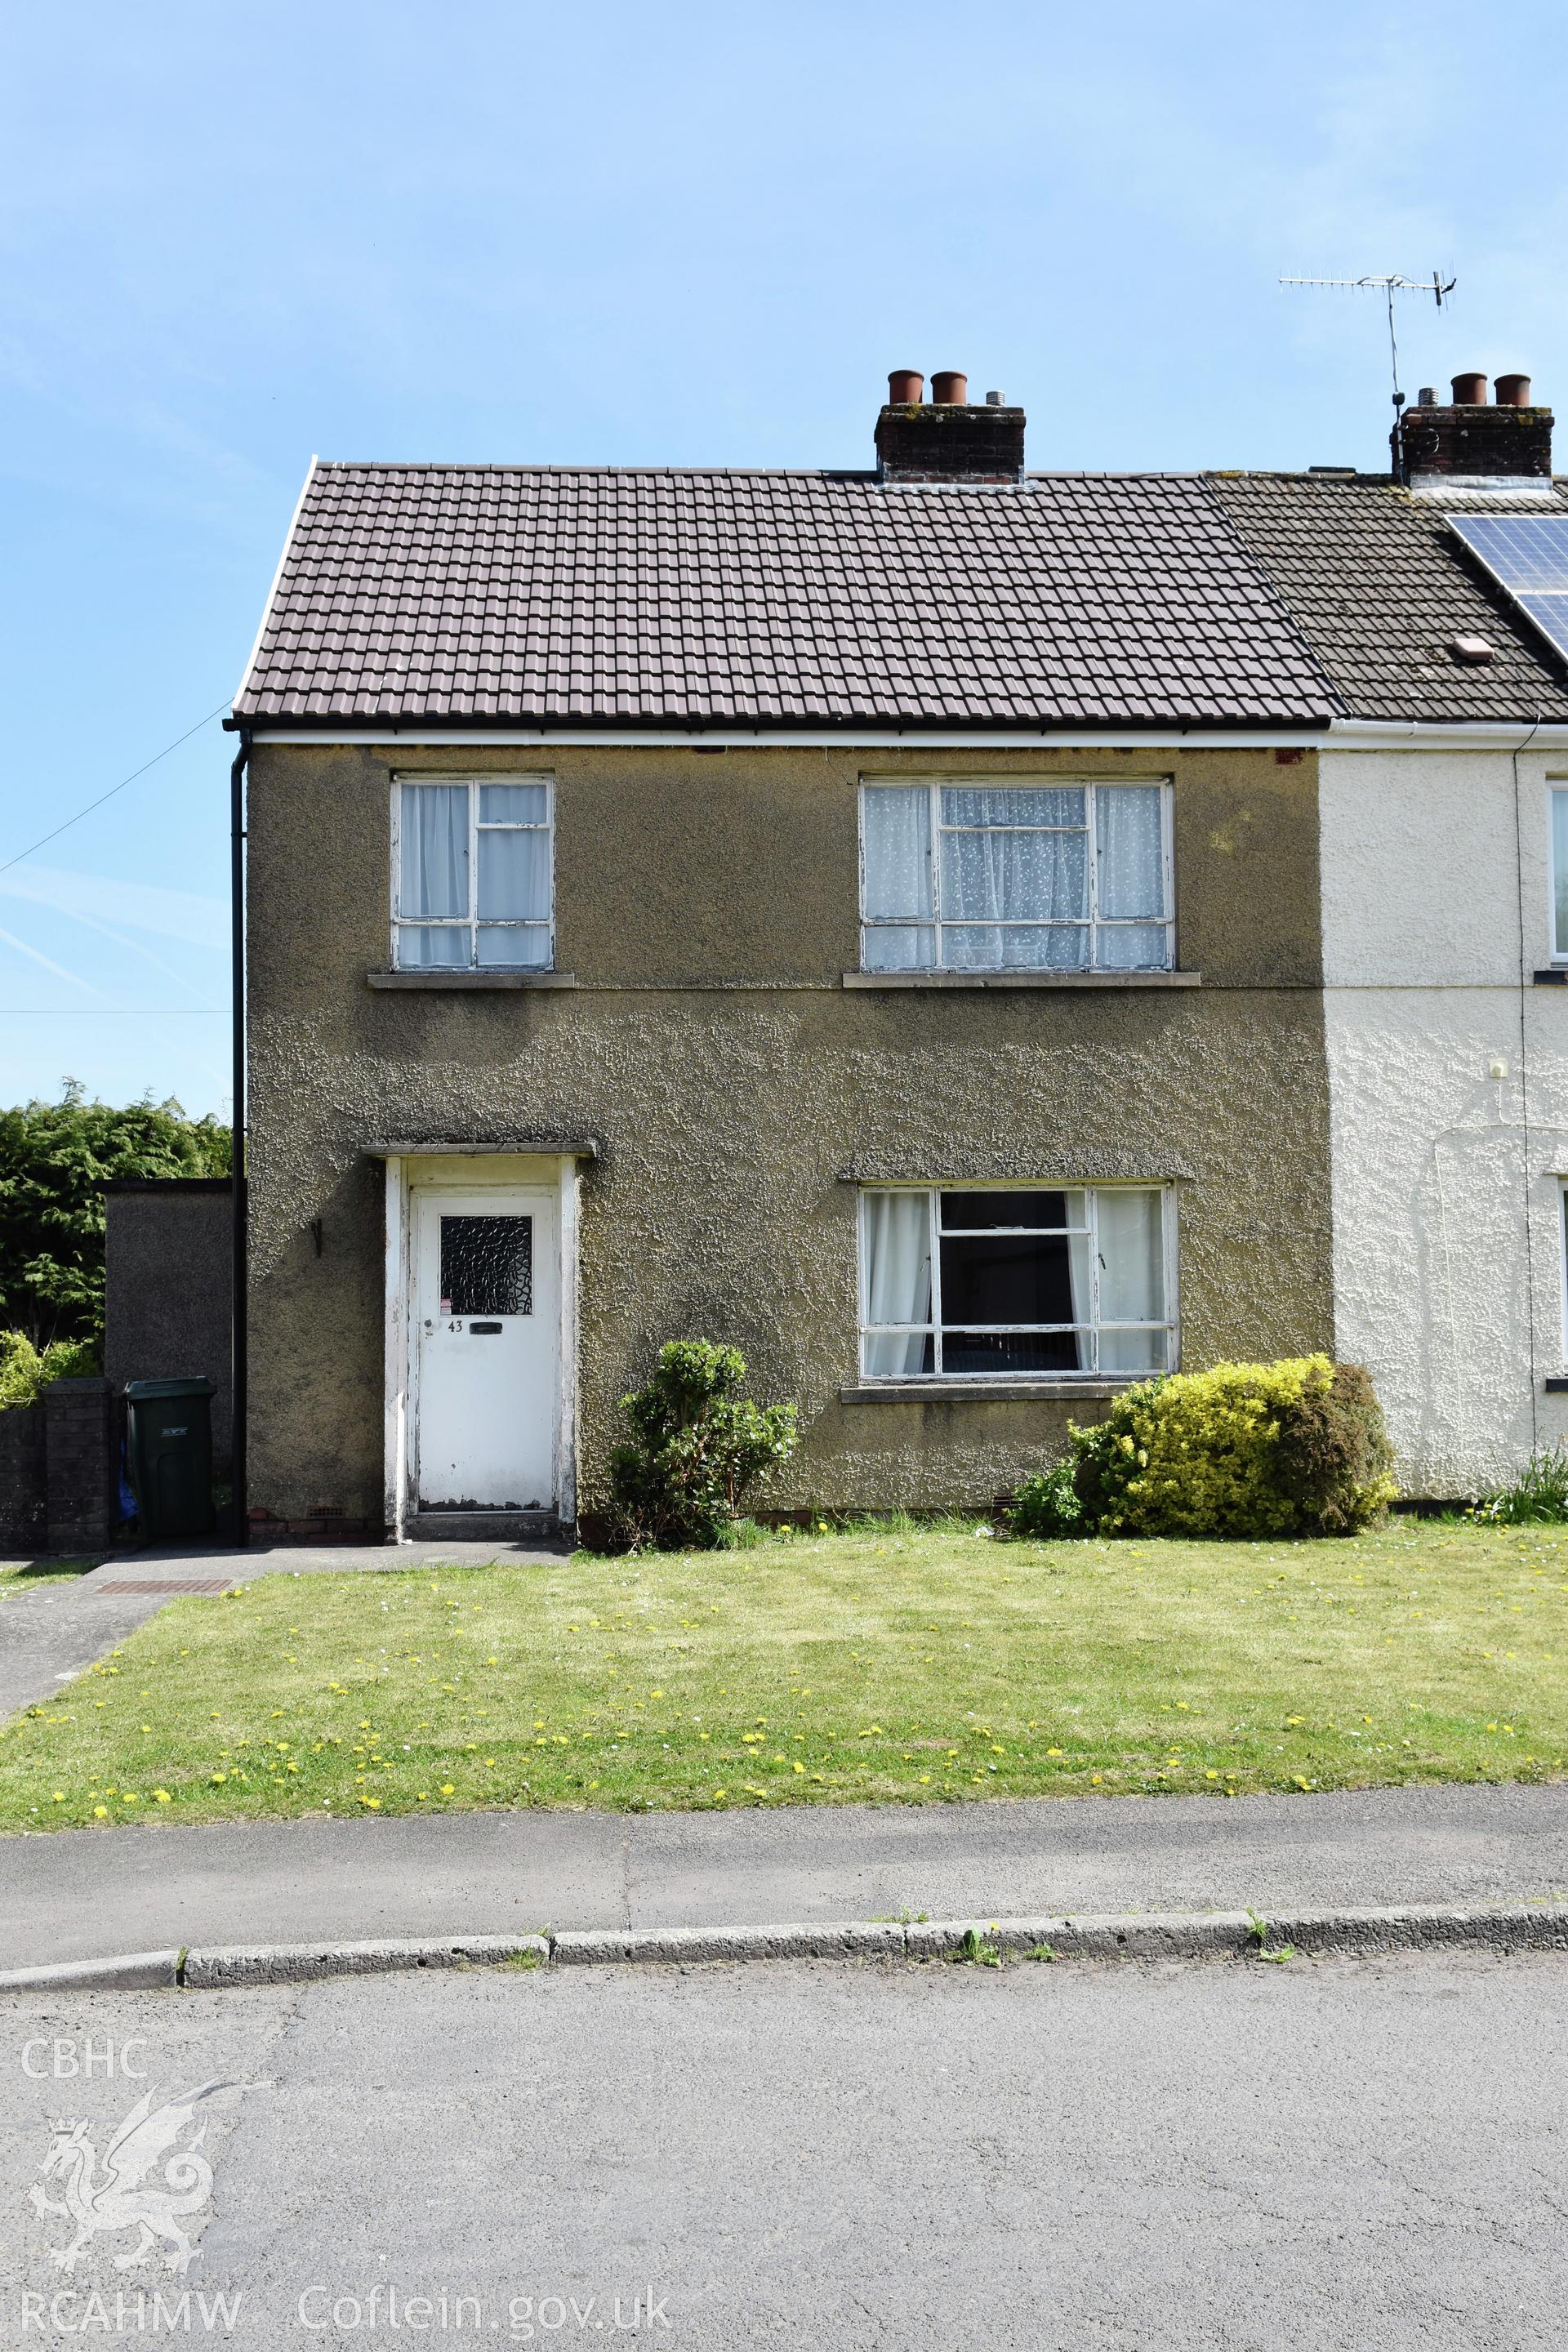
[69,1895]
[49,1636]
[882,2158]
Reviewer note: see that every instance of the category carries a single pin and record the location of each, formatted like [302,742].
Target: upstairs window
[1016,1284]
[1559,797]
[472,873]
[1015,877]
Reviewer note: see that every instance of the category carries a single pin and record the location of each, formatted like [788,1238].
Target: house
[970,936]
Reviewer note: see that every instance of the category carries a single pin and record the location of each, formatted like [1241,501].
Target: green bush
[1292,1448]
[54,1159]
[697,1447]
[1538,1496]
[1333,1458]
[1046,1505]
[24,1374]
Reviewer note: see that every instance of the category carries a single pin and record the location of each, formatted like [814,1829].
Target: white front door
[487,1327]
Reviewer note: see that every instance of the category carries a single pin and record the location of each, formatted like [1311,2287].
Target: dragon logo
[121,2196]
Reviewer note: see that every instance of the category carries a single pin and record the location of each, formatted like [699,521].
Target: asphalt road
[831,2159]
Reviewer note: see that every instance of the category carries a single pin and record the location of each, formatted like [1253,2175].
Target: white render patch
[1471,486]
[1448,1243]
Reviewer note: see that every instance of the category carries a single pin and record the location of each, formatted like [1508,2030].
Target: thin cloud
[136,948]
[11,940]
[201,921]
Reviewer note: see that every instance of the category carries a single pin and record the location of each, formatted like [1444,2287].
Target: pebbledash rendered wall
[707,904]
[1448,1082]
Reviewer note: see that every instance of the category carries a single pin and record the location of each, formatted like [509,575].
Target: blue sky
[696,233]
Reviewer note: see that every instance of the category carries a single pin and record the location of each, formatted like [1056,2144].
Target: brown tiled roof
[1379,586]
[591,596]
[558,595]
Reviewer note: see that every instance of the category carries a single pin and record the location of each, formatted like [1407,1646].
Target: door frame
[460,1169]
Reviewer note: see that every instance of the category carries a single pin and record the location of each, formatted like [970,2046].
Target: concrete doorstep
[1374,1931]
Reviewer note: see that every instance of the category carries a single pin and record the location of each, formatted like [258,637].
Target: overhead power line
[46,838]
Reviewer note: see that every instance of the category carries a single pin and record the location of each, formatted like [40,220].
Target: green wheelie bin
[169,1452]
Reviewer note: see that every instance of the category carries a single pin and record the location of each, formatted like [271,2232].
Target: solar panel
[1528,556]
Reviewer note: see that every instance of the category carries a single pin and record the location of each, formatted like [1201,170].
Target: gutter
[239,1354]
[413,735]
[417,734]
[1439,735]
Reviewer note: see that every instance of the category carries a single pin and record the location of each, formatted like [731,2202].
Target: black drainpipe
[237,1302]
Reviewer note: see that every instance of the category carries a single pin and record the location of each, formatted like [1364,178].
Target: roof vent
[1473,651]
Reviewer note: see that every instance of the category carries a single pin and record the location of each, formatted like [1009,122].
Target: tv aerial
[1437,286]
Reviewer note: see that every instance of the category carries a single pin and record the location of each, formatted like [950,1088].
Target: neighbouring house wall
[708,907]
[168,1253]
[1434,902]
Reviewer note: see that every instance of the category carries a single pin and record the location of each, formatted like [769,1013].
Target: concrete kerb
[259,1964]
[1146,1935]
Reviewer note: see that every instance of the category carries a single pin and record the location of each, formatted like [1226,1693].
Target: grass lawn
[25,1575]
[898,1665]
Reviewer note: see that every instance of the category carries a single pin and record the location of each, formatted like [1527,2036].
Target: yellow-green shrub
[24,1374]
[1296,1448]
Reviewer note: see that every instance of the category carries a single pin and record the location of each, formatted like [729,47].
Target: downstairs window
[961,1283]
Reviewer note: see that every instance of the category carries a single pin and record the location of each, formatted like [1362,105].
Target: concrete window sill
[981,1391]
[1023,979]
[1556,976]
[1556,1385]
[469,979]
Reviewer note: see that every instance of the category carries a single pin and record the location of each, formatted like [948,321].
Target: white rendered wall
[1434,905]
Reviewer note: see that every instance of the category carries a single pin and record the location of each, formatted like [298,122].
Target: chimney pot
[995,399]
[905,386]
[1469,390]
[950,389]
[1427,397]
[1513,392]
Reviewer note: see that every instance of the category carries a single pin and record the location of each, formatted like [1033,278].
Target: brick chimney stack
[946,438]
[1470,438]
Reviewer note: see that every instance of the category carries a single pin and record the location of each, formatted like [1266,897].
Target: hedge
[1292,1448]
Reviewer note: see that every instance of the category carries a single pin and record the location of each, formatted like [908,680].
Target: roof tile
[606,596]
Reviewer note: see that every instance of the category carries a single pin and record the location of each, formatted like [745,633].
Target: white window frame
[1556,788]
[933,1328]
[1090,924]
[471,921]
